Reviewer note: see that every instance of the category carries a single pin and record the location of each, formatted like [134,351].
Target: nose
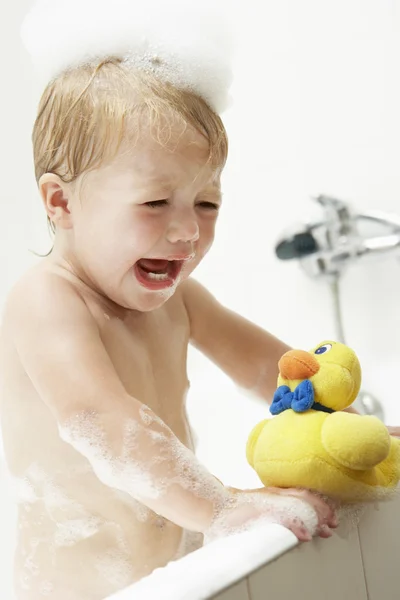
[298,364]
[183,227]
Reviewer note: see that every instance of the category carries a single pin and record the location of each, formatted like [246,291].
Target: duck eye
[323,349]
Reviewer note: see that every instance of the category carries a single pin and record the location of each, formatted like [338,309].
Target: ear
[56,196]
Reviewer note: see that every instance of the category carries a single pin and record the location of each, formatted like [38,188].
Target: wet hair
[86,113]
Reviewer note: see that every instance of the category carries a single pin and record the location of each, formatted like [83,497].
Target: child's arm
[129,447]
[245,352]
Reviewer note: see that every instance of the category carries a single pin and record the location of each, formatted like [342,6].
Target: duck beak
[298,364]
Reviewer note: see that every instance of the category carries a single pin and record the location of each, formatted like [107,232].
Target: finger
[334,505]
[325,511]
[324,532]
[297,527]
[332,519]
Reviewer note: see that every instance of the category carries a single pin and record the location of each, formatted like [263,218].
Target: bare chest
[149,354]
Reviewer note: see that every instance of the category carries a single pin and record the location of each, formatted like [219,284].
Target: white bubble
[55,498]
[286,510]
[188,44]
[349,516]
[72,531]
[146,414]
[145,461]
[122,472]
[36,473]
[116,567]
[25,581]
[46,588]
[32,567]
[190,541]
[23,491]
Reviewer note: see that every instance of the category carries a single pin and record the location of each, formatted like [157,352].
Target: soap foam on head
[188,44]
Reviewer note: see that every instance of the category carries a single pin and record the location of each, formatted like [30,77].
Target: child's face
[145,221]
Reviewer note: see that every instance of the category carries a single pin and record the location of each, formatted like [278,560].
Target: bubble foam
[188,44]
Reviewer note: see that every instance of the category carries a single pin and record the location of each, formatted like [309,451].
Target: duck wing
[355,441]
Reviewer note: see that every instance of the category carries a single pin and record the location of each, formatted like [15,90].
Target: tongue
[154,265]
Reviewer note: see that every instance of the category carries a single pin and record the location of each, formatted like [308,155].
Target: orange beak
[298,364]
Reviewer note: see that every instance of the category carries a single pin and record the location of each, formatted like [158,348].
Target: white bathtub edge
[213,568]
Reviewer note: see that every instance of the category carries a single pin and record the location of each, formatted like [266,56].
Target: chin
[154,300]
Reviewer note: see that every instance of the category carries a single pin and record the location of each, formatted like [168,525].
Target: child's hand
[324,509]
[304,513]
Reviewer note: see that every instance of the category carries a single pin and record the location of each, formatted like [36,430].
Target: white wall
[316,111]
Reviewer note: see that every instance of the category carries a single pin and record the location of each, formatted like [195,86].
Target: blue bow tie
[300,400]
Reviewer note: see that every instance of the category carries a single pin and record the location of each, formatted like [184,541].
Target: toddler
[128,161]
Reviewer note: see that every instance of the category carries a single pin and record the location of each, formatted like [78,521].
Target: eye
[323,349]
[209,205]
[157,203]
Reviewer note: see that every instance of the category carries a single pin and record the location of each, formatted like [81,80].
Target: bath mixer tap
[327,247]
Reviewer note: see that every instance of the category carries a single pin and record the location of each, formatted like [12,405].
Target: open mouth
[157,274]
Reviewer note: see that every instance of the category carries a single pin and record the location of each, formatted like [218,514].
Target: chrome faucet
[326,248]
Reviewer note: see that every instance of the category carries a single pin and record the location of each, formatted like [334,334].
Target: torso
[77,538]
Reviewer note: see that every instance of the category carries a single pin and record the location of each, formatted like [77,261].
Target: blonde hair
[84,116]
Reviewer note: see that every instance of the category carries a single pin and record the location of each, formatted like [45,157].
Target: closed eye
[157,203]
[208,205]
[205,205]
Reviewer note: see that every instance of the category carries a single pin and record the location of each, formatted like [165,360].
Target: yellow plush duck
[312,444]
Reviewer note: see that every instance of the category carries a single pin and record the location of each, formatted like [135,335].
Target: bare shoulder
[195,295]
[39,291]
[48,323]
[203,309]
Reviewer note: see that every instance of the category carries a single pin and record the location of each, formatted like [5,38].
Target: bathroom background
[316,110]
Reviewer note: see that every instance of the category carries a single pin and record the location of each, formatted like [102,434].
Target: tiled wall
[361,562]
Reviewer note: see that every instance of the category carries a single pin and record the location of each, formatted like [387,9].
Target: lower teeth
[157,276]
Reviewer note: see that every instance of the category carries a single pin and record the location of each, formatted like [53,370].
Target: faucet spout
[380,245]
[327,247]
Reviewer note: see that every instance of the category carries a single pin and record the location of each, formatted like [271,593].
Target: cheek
[117,233]
[148,227]
[207,233]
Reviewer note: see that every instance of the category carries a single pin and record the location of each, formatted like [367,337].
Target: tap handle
[339,218]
